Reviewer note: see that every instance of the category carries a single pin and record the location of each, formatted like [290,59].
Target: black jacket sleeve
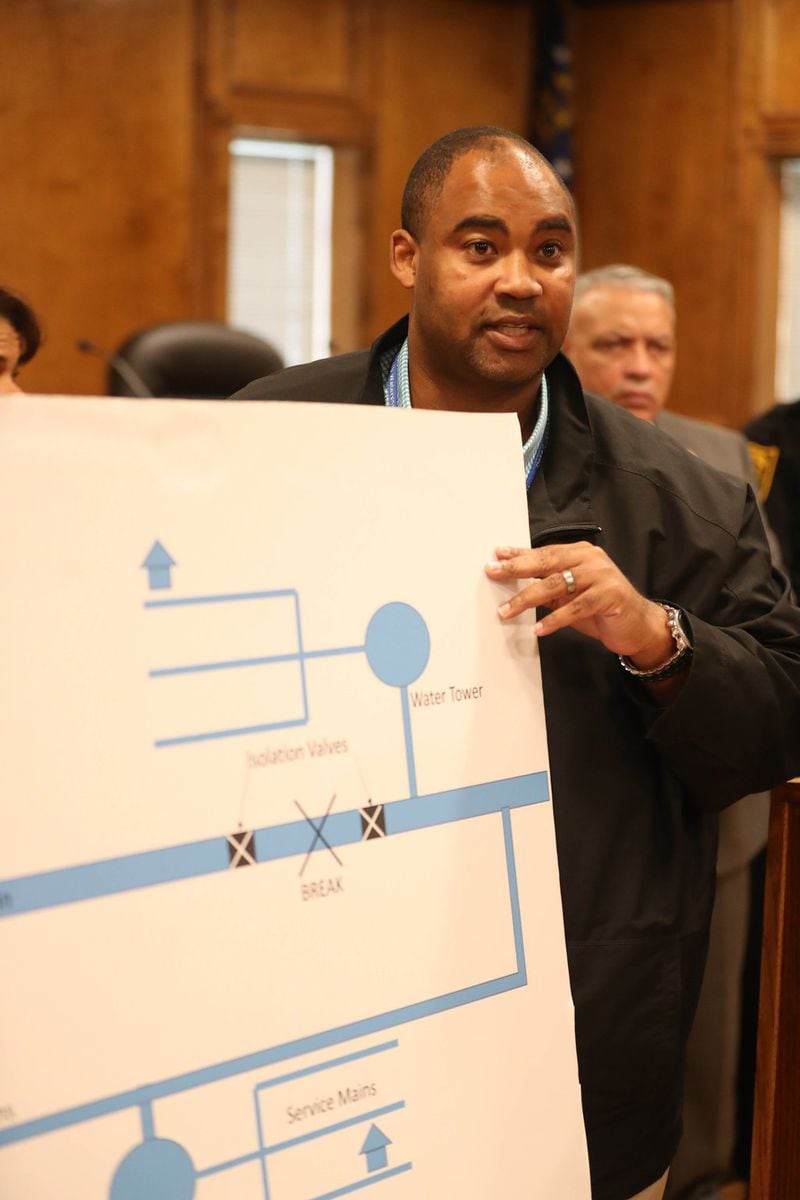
[735,726]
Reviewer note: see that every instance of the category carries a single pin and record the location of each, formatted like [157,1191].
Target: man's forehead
[626,306]
[484,182]
[488,221]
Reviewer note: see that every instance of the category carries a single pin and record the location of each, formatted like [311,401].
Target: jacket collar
[559,504]
[392,338]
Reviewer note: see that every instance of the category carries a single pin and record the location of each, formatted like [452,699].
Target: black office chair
[199,360]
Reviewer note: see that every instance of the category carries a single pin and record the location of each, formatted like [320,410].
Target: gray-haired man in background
[622,343]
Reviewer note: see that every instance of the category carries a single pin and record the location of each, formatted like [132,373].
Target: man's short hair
[428,175]
[620,275]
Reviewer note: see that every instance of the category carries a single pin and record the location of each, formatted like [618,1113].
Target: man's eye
[551,249]
[481,248]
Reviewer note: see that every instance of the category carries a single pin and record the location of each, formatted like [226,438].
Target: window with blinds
[279,247]
[787,374]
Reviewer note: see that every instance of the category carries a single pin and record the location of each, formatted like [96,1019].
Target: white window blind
[279,250]
[787,374]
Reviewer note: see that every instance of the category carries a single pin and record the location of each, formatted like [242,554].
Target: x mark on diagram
[318,834]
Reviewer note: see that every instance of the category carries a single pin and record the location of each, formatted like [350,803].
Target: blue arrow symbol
[159,563]
[374,1148]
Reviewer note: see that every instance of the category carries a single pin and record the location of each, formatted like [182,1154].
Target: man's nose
[519,277]
[638,361]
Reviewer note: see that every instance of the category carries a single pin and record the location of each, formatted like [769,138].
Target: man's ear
[403,261]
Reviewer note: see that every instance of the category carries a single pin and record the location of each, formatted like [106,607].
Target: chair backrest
[201,360]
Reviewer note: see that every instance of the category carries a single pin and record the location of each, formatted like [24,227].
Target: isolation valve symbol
[242,849]
[373,822]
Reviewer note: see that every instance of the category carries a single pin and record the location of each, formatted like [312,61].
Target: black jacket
[779,432]
[636,788]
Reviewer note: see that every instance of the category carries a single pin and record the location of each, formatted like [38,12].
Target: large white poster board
[279,905]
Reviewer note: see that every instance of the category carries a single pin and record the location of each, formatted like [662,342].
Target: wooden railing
[775,1171]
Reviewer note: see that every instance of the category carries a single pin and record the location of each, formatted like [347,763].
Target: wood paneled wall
[683,109]
[396,74]
[115,120]
[96,129]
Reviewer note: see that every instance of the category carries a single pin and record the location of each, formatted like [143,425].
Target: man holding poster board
[670,652]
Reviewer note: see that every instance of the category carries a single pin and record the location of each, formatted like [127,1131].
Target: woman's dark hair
[23,319]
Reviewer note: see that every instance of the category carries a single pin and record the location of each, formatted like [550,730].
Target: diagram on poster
[279,905]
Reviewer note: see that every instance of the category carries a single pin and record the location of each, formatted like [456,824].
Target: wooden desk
[775,1172]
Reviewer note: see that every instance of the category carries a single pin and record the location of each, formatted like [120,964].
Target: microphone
[123,368]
